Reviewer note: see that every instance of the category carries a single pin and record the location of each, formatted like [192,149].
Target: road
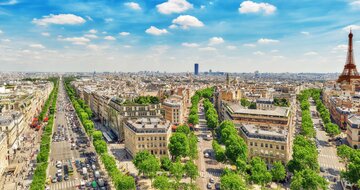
[328,159]
[68,131]
[208,167]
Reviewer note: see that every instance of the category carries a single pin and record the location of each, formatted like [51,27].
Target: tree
[352,173]
[97,135]
[150,166]
[193,119]
[191,170]
[232,181]
[177,171]
[100,146]
[219,151]
[162,183]
[140,157]
[332,129]
[183,129]
[344,152]
[278,171]
[179,145]
[165,163]
[125,183]
[244,102]
[235,148]
[307,179]
[259,173]
[193,148]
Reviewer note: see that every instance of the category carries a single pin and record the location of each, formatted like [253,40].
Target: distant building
[196,69]
[151,134]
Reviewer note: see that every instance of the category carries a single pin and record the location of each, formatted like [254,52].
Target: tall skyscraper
[196,69]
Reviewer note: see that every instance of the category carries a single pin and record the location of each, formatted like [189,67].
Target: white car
[58,164]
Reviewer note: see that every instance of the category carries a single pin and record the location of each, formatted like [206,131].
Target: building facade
[151,134]
[353,131]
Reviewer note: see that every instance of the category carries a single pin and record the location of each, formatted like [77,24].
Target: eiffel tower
[350,72]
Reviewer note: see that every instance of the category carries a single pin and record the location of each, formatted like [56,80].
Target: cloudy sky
[171,35]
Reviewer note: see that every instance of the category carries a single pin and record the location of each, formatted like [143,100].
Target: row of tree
[43,155]
[121,181]
[331,128]
[304,163]
[206,93]
[351,157]
[211,115]
[283,102]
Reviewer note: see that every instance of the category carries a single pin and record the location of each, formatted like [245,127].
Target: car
[58,164]
[54,180]
[209,186]
[206,155]
[211,180]
[59,178]
[66,177]
[322,169]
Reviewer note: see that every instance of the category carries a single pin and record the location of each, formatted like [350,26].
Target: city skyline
[231,36]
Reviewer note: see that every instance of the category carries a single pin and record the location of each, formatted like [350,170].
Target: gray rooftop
[254,131]
[148,125]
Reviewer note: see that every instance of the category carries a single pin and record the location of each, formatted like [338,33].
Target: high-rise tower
[196,69]
[349,73]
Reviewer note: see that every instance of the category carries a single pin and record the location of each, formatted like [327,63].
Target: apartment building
[174,109]
[269,144]
[353,131]
[3,152]
[150,134]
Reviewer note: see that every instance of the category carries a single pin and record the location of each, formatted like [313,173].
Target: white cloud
[156,31]
[186,21]
[267,41]
[274,51]
[278,57]
[215,41]
[93,47]
[10,2]
[253,7]
[37,46]
[47,34]
[192,45]
[5,40]
[341,47]
[108,20]
[258,53]
[305,33]
[93,31]
[174,6]
[207,49]
[133,5]
[76,40]
[249,45]
[202,7]
[231,47]
[111,38]
[310,53]
[93,36]
[127,46]
[173,26]
[352,27]
[355,3]
[1,32]
[59,19]
[124,33]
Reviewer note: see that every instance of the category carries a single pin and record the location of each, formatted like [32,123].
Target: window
[277,147]
[266,145]
[262,145]
[139,139]
[255,143]
[271,146]
[154,138]
[282,147]
[251,143]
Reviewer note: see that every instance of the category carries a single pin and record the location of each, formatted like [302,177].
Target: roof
[277,111]
[254,131]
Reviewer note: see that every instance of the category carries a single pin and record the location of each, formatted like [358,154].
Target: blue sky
[171,35]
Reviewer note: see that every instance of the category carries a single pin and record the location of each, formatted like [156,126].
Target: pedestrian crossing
[71,184]
[332,167]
